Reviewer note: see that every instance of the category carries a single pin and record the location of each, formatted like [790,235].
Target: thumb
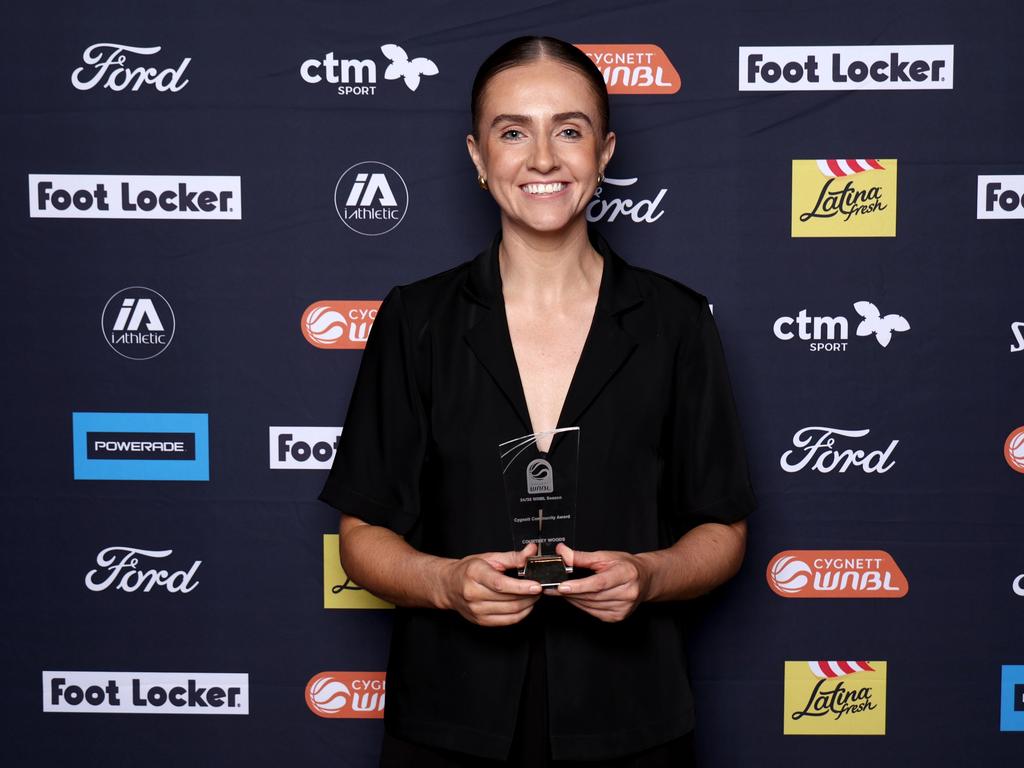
[502,561]
[583,559]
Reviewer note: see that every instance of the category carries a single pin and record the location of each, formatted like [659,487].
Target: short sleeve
[376,471]
[709,474]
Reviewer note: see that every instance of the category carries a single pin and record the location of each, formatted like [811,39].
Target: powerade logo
[846,68]
[141,446]
[1011,716]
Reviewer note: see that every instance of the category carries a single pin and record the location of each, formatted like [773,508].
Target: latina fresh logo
[835,698]
[339,590]
[836,573]
[844,198]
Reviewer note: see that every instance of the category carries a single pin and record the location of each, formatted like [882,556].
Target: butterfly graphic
[873,322]
[400,66]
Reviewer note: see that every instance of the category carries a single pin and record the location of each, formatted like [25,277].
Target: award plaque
[540,493]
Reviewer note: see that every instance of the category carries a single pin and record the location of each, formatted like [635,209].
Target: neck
[548,268]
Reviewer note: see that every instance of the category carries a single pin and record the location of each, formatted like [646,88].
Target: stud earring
[482,182]
[600,178]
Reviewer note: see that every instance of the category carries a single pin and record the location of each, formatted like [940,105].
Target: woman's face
[538,145]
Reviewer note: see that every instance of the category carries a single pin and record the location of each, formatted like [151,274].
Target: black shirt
[660,452]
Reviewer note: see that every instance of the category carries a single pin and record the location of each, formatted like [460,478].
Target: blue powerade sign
[141,446]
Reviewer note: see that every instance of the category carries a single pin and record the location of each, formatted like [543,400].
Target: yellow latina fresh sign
[339,590]
[844,198]
[835,698]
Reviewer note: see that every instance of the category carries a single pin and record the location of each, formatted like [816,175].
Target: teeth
[544,189]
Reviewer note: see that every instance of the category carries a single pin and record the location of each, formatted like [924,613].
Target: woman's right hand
[477,587]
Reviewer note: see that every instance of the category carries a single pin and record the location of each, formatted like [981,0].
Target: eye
[570,133]
[513,134]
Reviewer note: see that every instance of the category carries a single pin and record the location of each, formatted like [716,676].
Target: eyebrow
[527,120]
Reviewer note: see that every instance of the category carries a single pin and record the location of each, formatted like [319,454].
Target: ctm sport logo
[141,446]
[844,198]
[834,698]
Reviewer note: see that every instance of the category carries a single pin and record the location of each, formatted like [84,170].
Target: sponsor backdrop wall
[203,205]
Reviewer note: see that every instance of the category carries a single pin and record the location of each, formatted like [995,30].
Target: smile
[544,189]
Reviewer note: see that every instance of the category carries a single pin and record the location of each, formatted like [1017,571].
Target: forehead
[538,88]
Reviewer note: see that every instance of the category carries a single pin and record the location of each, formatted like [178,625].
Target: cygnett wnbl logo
[141,446]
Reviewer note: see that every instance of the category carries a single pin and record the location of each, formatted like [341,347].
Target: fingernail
[535,588]
[564,588]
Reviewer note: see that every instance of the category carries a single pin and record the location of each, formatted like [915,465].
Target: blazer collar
[605,351]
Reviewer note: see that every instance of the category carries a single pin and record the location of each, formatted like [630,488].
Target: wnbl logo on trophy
[844,198]
[835,698]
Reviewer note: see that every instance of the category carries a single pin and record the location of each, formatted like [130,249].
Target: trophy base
[549,570]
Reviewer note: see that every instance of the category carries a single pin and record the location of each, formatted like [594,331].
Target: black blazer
[660,452]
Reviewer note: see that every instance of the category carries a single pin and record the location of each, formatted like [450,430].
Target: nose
[543,158]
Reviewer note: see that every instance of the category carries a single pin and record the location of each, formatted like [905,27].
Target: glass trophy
[540,493]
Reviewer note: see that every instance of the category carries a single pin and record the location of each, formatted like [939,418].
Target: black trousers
[531,742]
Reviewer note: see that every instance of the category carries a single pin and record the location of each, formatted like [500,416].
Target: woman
[548,328]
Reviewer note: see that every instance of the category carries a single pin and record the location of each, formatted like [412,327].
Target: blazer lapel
[489,338]
[608,346]
[606,350]
[491,343]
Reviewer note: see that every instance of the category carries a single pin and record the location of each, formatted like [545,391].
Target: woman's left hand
[619,583]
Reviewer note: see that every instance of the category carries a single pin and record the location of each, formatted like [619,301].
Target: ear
[474,153]
[607,150]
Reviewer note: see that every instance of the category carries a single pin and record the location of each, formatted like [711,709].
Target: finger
[503,608]
[500,584]
[604,614]
[599,582]
[568,554]
[505,620]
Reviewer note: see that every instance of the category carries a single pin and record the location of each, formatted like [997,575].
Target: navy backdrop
[714,160]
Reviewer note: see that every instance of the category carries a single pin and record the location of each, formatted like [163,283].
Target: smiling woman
[547,329]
